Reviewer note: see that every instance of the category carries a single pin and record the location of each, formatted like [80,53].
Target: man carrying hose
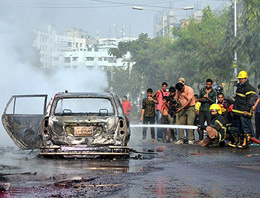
[186,113]
[242,111]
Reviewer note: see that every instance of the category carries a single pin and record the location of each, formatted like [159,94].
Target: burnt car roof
[83,94]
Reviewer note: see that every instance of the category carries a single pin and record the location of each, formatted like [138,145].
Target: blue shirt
[258,106]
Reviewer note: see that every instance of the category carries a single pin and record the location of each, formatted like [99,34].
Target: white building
[76,49]
[45,42]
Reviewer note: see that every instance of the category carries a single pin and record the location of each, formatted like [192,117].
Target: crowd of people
[219,120]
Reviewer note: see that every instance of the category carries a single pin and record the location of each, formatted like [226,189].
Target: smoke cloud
[20,72]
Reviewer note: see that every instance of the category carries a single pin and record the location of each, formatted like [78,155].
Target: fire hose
[255,140]
[168,126]
[177,127]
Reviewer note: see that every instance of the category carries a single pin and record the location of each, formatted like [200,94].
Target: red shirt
[127,107]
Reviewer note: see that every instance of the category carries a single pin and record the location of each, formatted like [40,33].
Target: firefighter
[216,131]
[242,111]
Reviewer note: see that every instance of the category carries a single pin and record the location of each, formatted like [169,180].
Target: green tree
[198,50]
[248,42]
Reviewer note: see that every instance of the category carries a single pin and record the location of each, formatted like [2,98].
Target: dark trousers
[257,125]
[150,120]
[158,120]
[172,120]
[204,116]
[244,124]
[164,120]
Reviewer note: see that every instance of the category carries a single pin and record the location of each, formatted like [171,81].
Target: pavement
[158,170]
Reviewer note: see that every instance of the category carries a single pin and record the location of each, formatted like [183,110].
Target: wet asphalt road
[178,171]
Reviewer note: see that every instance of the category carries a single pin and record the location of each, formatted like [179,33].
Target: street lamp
[142,8]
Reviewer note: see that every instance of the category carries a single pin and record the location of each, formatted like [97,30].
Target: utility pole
[235,54]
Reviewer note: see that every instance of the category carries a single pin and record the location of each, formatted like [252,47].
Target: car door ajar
[22,117]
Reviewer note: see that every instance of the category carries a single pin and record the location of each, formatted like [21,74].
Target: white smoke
[20,73]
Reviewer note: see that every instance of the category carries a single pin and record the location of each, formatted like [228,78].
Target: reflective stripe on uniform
[224,128]
[241,112]
[217,121]
[219,137]
[241,95]
[250,92]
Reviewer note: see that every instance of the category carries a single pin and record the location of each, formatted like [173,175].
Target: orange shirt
[127,107]
[186,95]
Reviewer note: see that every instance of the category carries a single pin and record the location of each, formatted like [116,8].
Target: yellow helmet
[215,107]
[242,74]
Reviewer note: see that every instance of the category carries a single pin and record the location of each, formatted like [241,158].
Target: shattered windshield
[71,106]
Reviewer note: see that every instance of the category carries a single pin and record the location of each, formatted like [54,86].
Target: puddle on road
[50,171]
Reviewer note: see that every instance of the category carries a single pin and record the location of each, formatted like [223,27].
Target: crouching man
[216,131]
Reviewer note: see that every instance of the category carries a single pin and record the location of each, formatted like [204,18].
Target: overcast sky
[105,16]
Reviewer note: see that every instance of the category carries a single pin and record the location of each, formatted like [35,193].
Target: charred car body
[72,125]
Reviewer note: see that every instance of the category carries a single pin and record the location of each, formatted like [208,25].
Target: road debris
[160,149]
[250,155]
[71,183]
[4,186]
[197,154]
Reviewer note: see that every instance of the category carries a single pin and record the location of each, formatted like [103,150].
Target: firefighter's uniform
[244,101]
[216,131]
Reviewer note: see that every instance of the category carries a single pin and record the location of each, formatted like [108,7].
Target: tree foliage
[197,50]
[248,42]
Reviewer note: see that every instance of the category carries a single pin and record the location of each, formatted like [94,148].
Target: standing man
[165,117]
[242,110]
[207,97]
[186,113]
[172,109]
[148,113]
[222,102]
[127,107]
[256,108]
[224,105]
[159,95]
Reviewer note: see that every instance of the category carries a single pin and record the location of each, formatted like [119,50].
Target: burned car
[71,125]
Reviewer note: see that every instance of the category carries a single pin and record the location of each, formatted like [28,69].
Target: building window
[100,59]
[75,58]
[112,60]
[55,58]
[66,59]
[89,58]
[69,44]
[80,45]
